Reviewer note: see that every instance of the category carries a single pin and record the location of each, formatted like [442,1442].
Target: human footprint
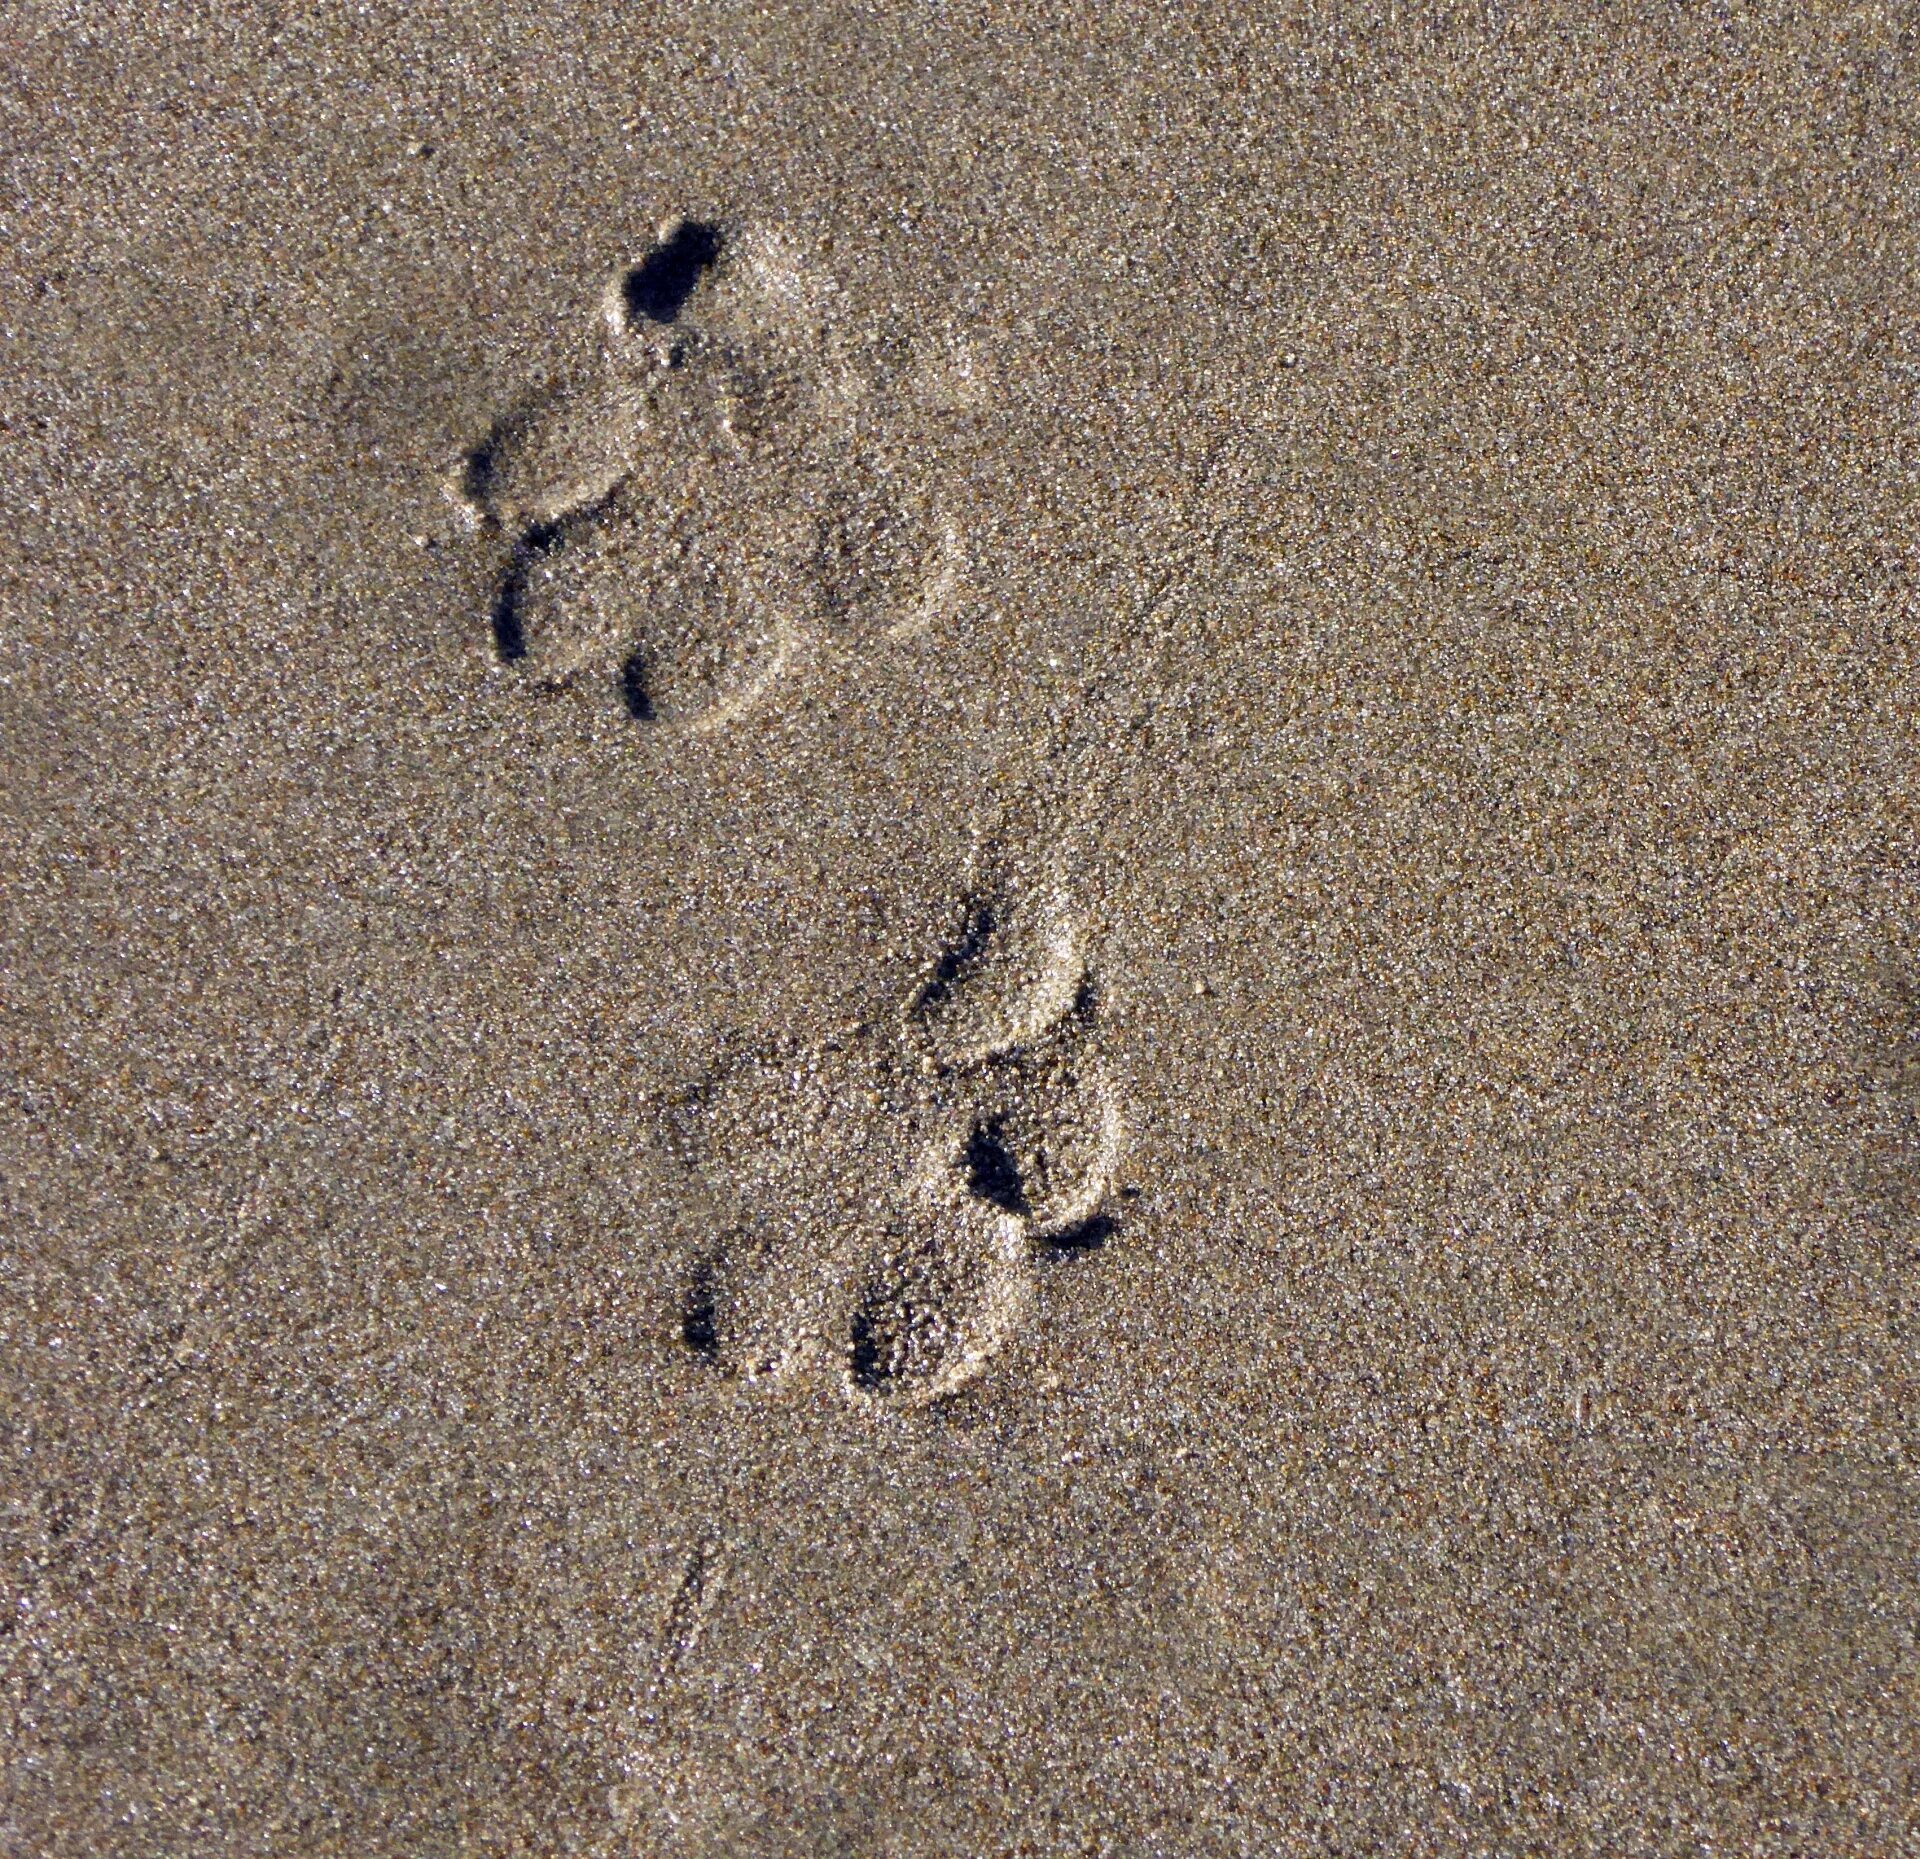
[879,1204]
[740,478]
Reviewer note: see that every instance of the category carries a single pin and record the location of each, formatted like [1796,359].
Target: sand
[960,931]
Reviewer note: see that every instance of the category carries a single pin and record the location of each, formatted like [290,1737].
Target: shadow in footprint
[657,288]
[993,1169]
[700,1311]
[869,1355]
[959,957]
[539,544]
[1084,1236]
[633,688]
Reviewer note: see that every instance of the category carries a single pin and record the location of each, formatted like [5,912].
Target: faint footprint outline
[722,366]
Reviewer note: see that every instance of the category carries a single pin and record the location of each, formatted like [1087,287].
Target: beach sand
[960,931]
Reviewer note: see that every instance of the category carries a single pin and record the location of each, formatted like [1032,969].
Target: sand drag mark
[688,1606]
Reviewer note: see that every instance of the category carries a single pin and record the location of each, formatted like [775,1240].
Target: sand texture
[959,931]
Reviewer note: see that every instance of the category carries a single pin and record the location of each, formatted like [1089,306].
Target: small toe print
[1082,1236]
[1013,970]
[874,538]
[1040,1141]
[729,1309]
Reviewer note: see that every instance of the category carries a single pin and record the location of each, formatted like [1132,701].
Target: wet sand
[936,935]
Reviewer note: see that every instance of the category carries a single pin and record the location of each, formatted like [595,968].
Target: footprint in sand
[738,480]
[878,1205]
